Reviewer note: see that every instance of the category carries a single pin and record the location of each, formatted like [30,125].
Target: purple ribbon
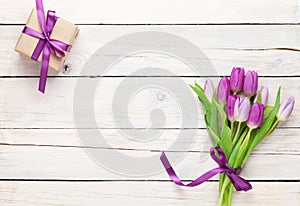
[238,182]
[46,45]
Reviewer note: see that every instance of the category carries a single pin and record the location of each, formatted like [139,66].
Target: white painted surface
[226,46]
[140,193]
[31,112]
[159,11]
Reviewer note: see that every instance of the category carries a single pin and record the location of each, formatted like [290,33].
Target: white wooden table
[41,159]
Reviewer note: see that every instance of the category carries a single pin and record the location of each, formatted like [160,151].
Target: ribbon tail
[239,183]
[40,8]
[194,183]
[44,69]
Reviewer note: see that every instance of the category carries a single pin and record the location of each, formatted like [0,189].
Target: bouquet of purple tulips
[238,118]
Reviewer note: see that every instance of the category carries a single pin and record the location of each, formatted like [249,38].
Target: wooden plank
[282,141]
[140,193]
[225,46]
[55,108]
[71,163]
[159,12]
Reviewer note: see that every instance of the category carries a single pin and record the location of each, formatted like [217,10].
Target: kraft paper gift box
[63,31]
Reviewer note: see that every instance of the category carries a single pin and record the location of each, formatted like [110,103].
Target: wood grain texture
[225,47]
[282,141]
[159,12]
[140,193]
[55,108]
[23,154]
[71,163]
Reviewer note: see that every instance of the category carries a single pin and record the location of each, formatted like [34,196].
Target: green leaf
[202,97]
[215,139]
[267,112]
[236,148]
[206,105]
[209,114]
[214,123]
[222,113]
[226,143]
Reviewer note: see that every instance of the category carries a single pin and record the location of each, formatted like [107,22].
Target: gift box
[48,39]
[62,30]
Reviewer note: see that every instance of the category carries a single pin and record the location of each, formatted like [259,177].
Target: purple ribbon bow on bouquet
[238,182]
[45,44]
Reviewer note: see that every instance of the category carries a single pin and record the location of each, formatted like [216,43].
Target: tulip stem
[230,191]
[273,127]
[224,186]
[237,133]
[242,150]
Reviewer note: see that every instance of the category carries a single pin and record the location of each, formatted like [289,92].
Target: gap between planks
[133,76]
[278,141]
[290,153]
[131,180]
[174,24]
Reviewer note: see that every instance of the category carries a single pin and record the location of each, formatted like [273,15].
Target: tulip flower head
[285,109]
[241,109]
[230,107]
[223,90]
[264,94]
[209,89]
[256,115]
[250,83]
[237,79]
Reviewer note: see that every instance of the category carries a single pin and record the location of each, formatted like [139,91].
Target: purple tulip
[256,115]
[241,109]
[285,109]
[209,89]
[230,107]
[237,79]
[250,83]
[264,93]
[223,90]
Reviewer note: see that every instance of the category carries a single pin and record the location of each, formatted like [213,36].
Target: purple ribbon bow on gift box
[238,182]
[46,45]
